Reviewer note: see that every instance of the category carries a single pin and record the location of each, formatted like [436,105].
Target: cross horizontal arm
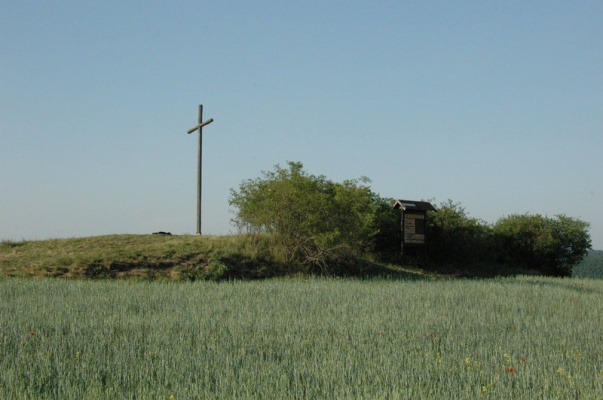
[201,125]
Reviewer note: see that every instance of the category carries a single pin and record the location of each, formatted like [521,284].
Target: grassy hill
[138,256]
[162,257]
[186,257]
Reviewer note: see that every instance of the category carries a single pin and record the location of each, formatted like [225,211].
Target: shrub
[216,269]
[550,245]
[456,238]
[313,222]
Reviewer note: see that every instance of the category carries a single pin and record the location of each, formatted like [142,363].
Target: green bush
[313,222]
[456,238]
[216,269]
[550,245]
[97,270]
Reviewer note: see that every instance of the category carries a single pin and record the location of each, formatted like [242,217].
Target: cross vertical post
[199,127]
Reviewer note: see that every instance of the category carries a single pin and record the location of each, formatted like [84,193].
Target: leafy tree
[551,245]
[312,221]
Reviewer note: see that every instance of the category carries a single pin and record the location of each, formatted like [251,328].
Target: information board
[414,228]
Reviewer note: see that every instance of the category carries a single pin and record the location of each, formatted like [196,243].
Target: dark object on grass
[162,233]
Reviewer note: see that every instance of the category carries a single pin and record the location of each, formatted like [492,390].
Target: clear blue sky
[495,105]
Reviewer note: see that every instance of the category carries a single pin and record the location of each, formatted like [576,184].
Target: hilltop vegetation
[187,257]
[320,226]
[297,223]
[162,257]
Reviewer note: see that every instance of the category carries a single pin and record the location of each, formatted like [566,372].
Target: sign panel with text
[414,228]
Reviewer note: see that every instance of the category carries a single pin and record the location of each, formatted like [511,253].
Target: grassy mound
[188,257]
[142,256]
[163,257]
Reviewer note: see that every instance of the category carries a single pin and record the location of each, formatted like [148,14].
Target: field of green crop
[512,338]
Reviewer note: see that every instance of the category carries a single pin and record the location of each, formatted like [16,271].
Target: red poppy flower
[31,333]
[523,360]
[431,335]
[511,370]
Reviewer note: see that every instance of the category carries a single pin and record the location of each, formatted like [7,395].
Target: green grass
[135,256]
[515,338]
[158,257]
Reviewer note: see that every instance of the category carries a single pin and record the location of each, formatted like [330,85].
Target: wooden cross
[199,127]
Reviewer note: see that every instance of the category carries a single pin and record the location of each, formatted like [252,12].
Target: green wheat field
[504,338]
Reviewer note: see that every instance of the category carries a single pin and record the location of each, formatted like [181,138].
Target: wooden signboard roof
[412,205]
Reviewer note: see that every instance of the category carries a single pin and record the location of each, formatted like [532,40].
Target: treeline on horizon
[591,266]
